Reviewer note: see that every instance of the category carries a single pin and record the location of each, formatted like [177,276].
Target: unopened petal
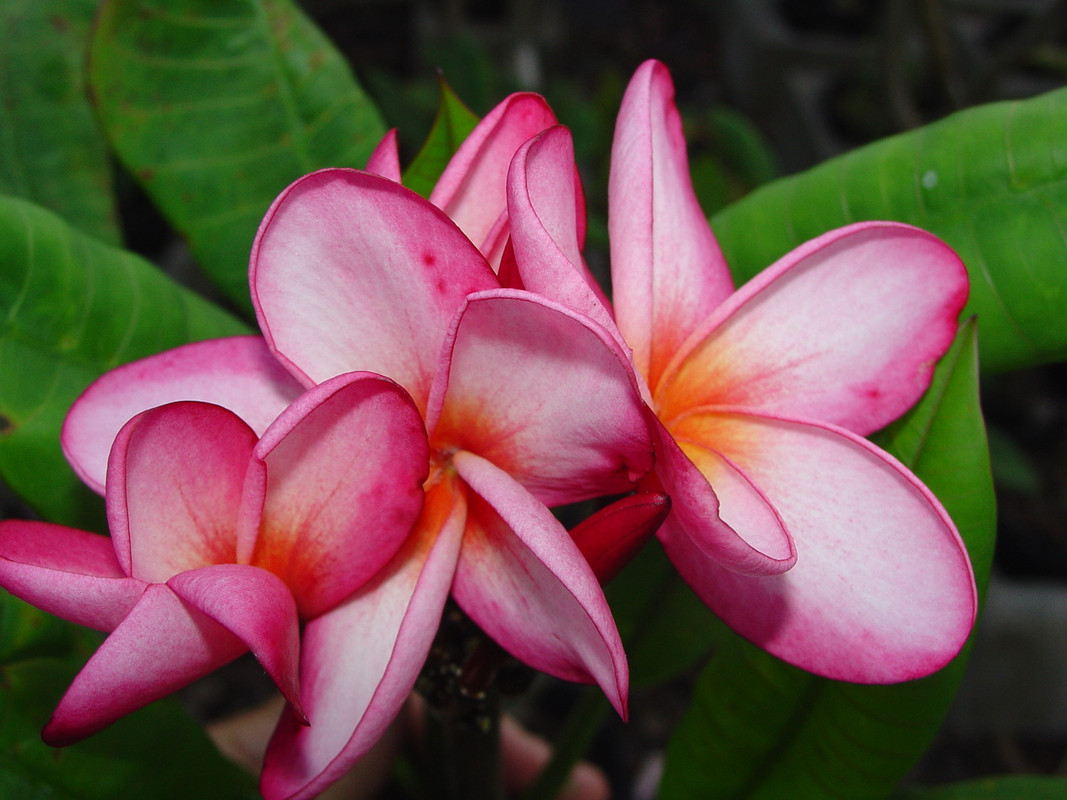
[351,271]
[526,584]
[385,160]
[882,589]
[161,646]
[471,190]
[546,395]
[238,373]
[334,488]
[611,537]
[174,488]
[845,329]
[361,659]
[70,573]
[667,271]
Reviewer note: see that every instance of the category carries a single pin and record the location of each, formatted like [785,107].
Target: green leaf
[74,308]
[1012,787]
[157,752]
[759,728]
[453,124]
[51,151]
[991,181]
[215,107]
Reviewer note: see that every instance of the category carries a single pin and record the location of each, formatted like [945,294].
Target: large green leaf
[74,308]
[759,728]
[991,181]
[158,752]
[215,107]
[51,151]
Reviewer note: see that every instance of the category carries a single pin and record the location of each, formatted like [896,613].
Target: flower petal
[667,271]
[174,488]
[238,373]
[882,590]
[385,160]
[719,510]
[361,659]
[161,646]
[611,537]
[471,190]
[543,393]
[351,271]
[257,608]
[544,227]
[845,329]
[70,573]
[334,487]
[522,579]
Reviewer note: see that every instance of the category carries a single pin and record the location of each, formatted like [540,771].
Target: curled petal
[334,487]
[526,584]
[70,573]
[543,393]
[161,646]
[667,271]
[612,536]
[351,271]
[361,659]
[174,488]
[719,509]
[385,160]
[882,590]
[544,227]
[845,329]
[238,373]
[471,190]
[257,608]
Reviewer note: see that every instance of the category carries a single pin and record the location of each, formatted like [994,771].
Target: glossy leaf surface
[216,107]
[453,123]
[991,181]
[759,728]
[73,308]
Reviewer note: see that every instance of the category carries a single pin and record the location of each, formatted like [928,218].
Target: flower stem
[582,725]
[463,760]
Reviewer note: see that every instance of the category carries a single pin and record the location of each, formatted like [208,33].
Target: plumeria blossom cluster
[435,374]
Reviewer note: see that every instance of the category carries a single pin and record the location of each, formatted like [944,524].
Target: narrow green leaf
[453,124]
[991,181]
[759,728]
[215,107]
[158,752]
[1009,787]
[51,151]
[74,308]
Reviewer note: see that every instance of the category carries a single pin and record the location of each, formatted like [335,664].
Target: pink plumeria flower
[527,404]
[222,544]
[802,535]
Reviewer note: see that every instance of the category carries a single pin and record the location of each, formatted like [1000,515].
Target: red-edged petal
[351,271]
[722,513]
[543,393]
[161,646]
[174,488]
[667,271]
[882,590]
[544,226]
[613,535]
[70,573]
[334,487]
[385,160]
[257,608]
[471,190]
[361,659]
[523,580]
[845,329]
[238,373]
